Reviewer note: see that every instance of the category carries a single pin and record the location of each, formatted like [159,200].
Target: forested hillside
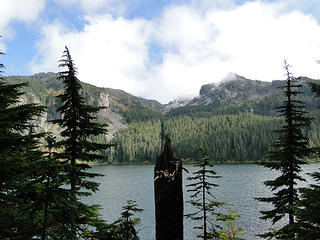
[44,87]
[237,125]
[233,138]
[234,120]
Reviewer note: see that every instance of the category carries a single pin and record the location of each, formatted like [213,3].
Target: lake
[239,185]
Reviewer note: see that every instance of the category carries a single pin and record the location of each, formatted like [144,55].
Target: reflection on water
[239,185]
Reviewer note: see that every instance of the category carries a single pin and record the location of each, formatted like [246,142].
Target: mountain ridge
[236,89]
[234,119]
[44,87]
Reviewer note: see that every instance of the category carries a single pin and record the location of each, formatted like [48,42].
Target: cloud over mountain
[186,46]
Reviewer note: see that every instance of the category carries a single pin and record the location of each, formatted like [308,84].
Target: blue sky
[144,46]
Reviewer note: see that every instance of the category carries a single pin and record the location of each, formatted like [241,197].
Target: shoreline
[95,163]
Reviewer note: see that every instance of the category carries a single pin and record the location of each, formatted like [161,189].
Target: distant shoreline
[95,163]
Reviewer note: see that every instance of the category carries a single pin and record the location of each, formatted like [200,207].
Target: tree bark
[168,195]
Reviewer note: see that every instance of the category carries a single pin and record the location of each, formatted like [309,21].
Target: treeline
[140,143]
[237,138]
[233,132]
[138,114]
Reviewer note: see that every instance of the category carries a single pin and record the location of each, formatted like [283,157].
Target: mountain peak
[233,88]
[231,77]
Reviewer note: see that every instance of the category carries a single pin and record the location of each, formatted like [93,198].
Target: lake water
[239,185]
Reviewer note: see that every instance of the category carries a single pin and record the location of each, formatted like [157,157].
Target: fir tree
[127,223]
[15,147]
[206,209]
[28,190]
[78,122]
[289,152]
[308,218]
[53,197]
[123,228]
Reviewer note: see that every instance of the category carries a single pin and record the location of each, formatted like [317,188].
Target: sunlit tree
[202,198]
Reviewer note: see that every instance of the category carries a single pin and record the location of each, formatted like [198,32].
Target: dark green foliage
[217,108]
[239,130]
[16,153]
[55,201]
[228,138]
[136,114]
[308,218]
[78,123]
[127,223]
[139,143]
[29,192]
[123,228]
[202,198]
[25,196]
[288,154]
[46,204]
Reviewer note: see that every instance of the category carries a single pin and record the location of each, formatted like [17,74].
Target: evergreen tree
[288,154]
[127,223]
[123,228]
[28,190]
[232,232]
[78,122]
[54,200]
[15,147]
[206,209]
[308,219]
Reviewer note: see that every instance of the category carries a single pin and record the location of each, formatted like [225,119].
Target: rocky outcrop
[176,104]
[205,89]
[232,89]
[103,100]
[27,98]
[115,122]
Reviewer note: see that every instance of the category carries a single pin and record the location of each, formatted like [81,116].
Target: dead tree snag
[168,195]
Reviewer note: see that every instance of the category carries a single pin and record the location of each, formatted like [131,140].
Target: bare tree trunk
[168,195]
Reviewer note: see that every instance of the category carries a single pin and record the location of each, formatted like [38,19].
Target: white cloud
[198,44]
[24,11]
[108,52]
[251,40]
[257,37]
